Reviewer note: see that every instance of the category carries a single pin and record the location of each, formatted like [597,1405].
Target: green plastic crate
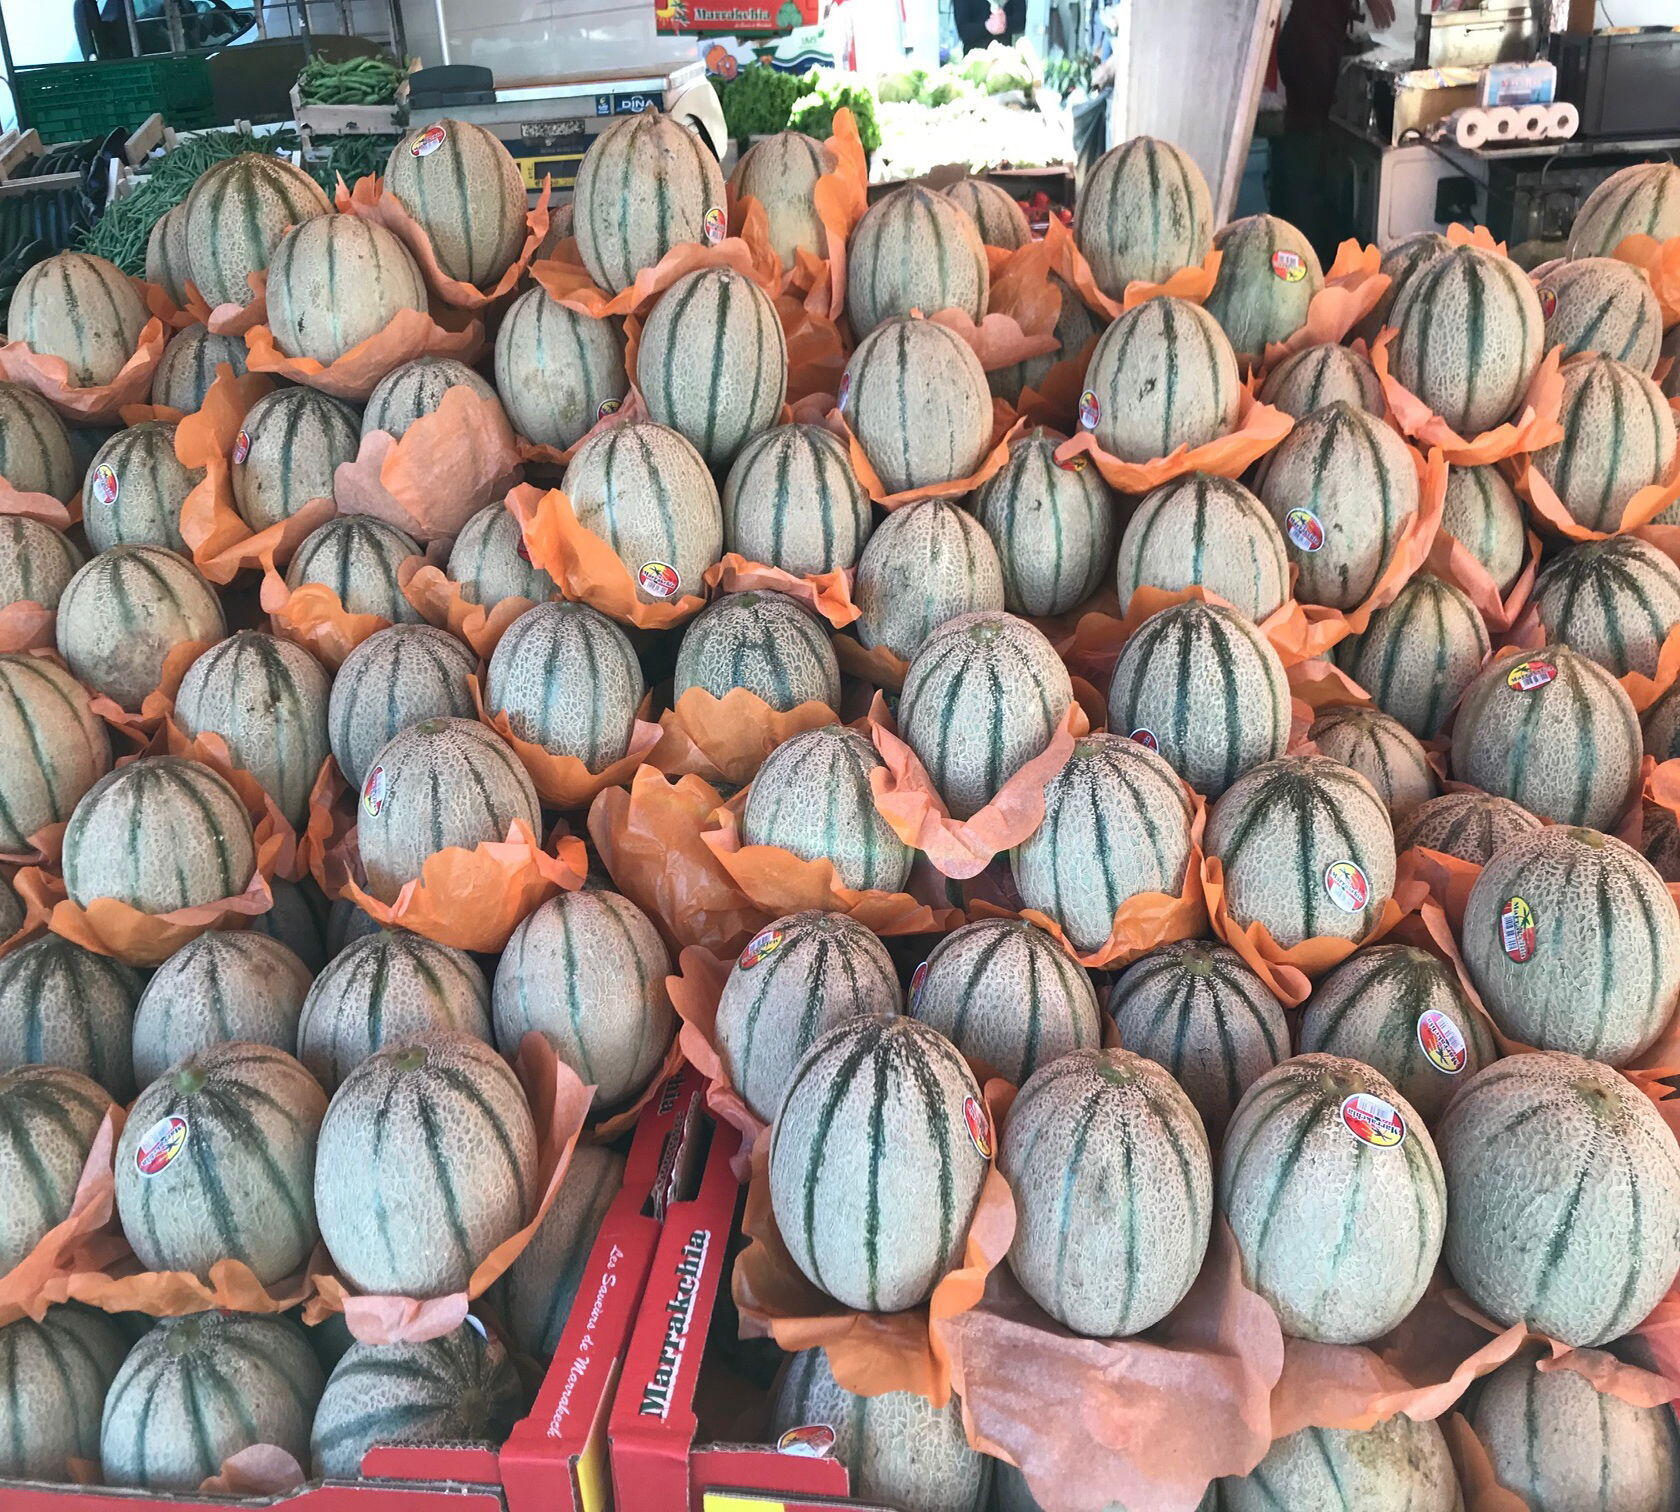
[70,102]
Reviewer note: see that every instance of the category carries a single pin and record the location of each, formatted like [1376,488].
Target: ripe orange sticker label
[373,793]
[428,141]
[1528,675]
[979,1126]
[1347,885]
[1442,1041]
[1089,410]
[763,944]
[813,1441]
[1516,930]
[160,1144]
[1291,267]
[241,447]
[1372,1121]
[715,226]
[657,579]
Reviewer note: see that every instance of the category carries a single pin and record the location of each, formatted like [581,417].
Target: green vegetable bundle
[369,80]
[757,101]
[827,93]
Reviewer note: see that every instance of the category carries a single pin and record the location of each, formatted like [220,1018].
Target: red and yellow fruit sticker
[658,579]
[917,977]
[1074,464]
[1089,410]
[428,141]
[105,485]
[608,407]
[1548,303]
[812,1441]
[1304,529]
[979,1126]
[1347,885]
[1291,267]
[241,447]
[1145,738]
[160,1145]
[1373,1121]
[1528,675]
[1442,1041]
[373,793]
[845,390]
[761,947]
[1516,930]
[714,226]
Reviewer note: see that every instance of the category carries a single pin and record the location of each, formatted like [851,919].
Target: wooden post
[1582,14]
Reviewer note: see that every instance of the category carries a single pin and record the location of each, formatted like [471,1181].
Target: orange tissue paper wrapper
[870,1353]
[256,1470]
[726,739]
[828,594]
[58,513]
[355,375]
[1535,425]
[568,281]
[1005,427]
[1068,263]
[1640,510]
[1661,263]
[1452,563]
[696,988]
[559,1103]
[1352,288]
[442,602]
[27,626]
[99,404]
[38,890]
[313,616]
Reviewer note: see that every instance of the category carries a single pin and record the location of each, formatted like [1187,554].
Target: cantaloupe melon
[122,614]
[1662,727]
[58,747]
[287,448]
[1268,274]
[395,679]
[1321,375]
[434,785]
[217,1162]
[1553,732]
[898,1449]
[1470,336]
[1399,262]
[1207,1016]
[1007,996]
[1596,304]
[712,363]
[915,397]
[1399,1010]
[983,696]
[812,797]
[1307,847]
[1076,327]
[159,834]
[383,988]
[764,642]
[416,388]
[587,971]
[1143,212]
[1563,1189]
[1559,1443]
[791,500]
[224,986]
[403,1209]
[568,680]
[267,698]
[1613,600]
[1574,944]
[297,920]
[1162,376]
[646,491]
[796,979]
[1206,531]
[188,366]
[1660,841]
[1000,221]
[82,309]
[134,489]
[491,562]
[1322,1152]
[1471,826]
[35,450]
[1342,488]
[346,923]
[1640,200]
[1381,750]
[48,1118]
[196,1390]
[57,1372]
[557,371]
[925,565]
[781,173]
[914,249]
[1071,868]
[1104,1254]
[1212,725]
[538,1289]
[462,185]
[234,220]
[461,1387]
[1483,514]
[357,557]
[646,184]
[1419,653]
[11,909]
[1053,526]
[1397,1466]
[370,273]
[166,254]
[62,1005]
[876,1160]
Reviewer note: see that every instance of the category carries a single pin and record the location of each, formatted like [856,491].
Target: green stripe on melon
[35,449]
[1007,996]
[49,1116]
[1642,199]
[1471,826]
[1268,274]
[1660,841]
[490,561]
[1483,514]
[188,366]
[1399,262]
[796,979]
[416,388]
[294,440]
[712,363]
[1321,1154]
[57,747]
[217,1162]
[357,557]
[1207,1016]
[297,920]
[234,219]
[80,308]
[587,971]
[1553,732]
[1564,1197]
[914,249]
[1321,375]
[1162,376]
[1143,212]
[1212,728]
[134,490]
[812,798]
[1614,600]
[1105,1254]
[395,679]
[1381,750]
[767,643]
[1000,221]
[875,1161]
[466,191]
[792,501]
[62,1005]
[1397,1466]
[166,254]
[382,988]
[1596,304]
[925,565]
[370,273]
[781,173]
[557,370]
[224,986]
[57,1372]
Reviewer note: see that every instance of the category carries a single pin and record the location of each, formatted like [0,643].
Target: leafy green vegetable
[757,101]
[814,114]
[368,80]
[901,88]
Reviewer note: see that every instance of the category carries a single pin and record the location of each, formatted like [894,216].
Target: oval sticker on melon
[657,579]
[428,141]
[160,1145]
[979,1126]
[1089,410]
[1442,1042]
[1373,1121]
[105,485]
[1304,529]
[1516,930]
[1347,886]
[241,447]
[714,226]
[373,793]
[812,1441]
[760,947]
[1528,675]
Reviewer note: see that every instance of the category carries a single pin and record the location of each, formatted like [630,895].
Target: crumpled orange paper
[27,626]
[1005,428]
[585,567]
[1480,1487]
[559,1104]
[1193,283]
[264,1470]
[828,594]
[1452,563]
[313,616]
[817,352]
[445,467]
[231,1286]
[878,666]
[870,1353]
[267,822]
[568,281]
[442,602]
[1535,426]
[1641,509]
[40,506]
[100,404]
[726,739]
[1351,290]
[998,339]
[228,319]
[696,989]
[38,890]
[355,375]
[1661,264]
[1448,879]
[564,782]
